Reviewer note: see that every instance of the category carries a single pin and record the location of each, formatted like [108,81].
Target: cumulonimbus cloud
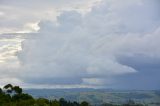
[89,49]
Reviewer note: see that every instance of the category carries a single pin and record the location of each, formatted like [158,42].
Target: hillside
[98,96]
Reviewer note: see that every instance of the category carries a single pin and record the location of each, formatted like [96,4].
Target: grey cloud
[71,48]
[97,49]
[148,71]
[141,62]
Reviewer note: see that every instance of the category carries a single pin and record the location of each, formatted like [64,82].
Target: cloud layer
[110,46]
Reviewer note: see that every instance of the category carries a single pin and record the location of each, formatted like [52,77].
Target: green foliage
[17,89]
[18,97]
[4,98]
[84,103]
[8,88]
[54,103]
[1,91]
[42,102]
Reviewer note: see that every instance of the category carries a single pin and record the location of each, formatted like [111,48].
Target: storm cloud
[111,45]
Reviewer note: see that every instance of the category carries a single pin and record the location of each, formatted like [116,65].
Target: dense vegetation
[14,96]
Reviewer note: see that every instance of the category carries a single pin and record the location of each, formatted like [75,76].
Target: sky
[80,43]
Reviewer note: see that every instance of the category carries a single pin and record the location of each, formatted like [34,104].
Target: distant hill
[97,96]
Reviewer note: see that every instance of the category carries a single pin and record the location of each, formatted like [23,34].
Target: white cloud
[84,50]
[15,15]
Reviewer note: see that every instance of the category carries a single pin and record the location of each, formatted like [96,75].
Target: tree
[76,103]
[22,96]
[84,103]
[55,103]
[8,88]
[42,102]
[63,102]
[17,89]
[1,91]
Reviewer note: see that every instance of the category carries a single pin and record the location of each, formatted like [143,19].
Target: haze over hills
[99,96]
